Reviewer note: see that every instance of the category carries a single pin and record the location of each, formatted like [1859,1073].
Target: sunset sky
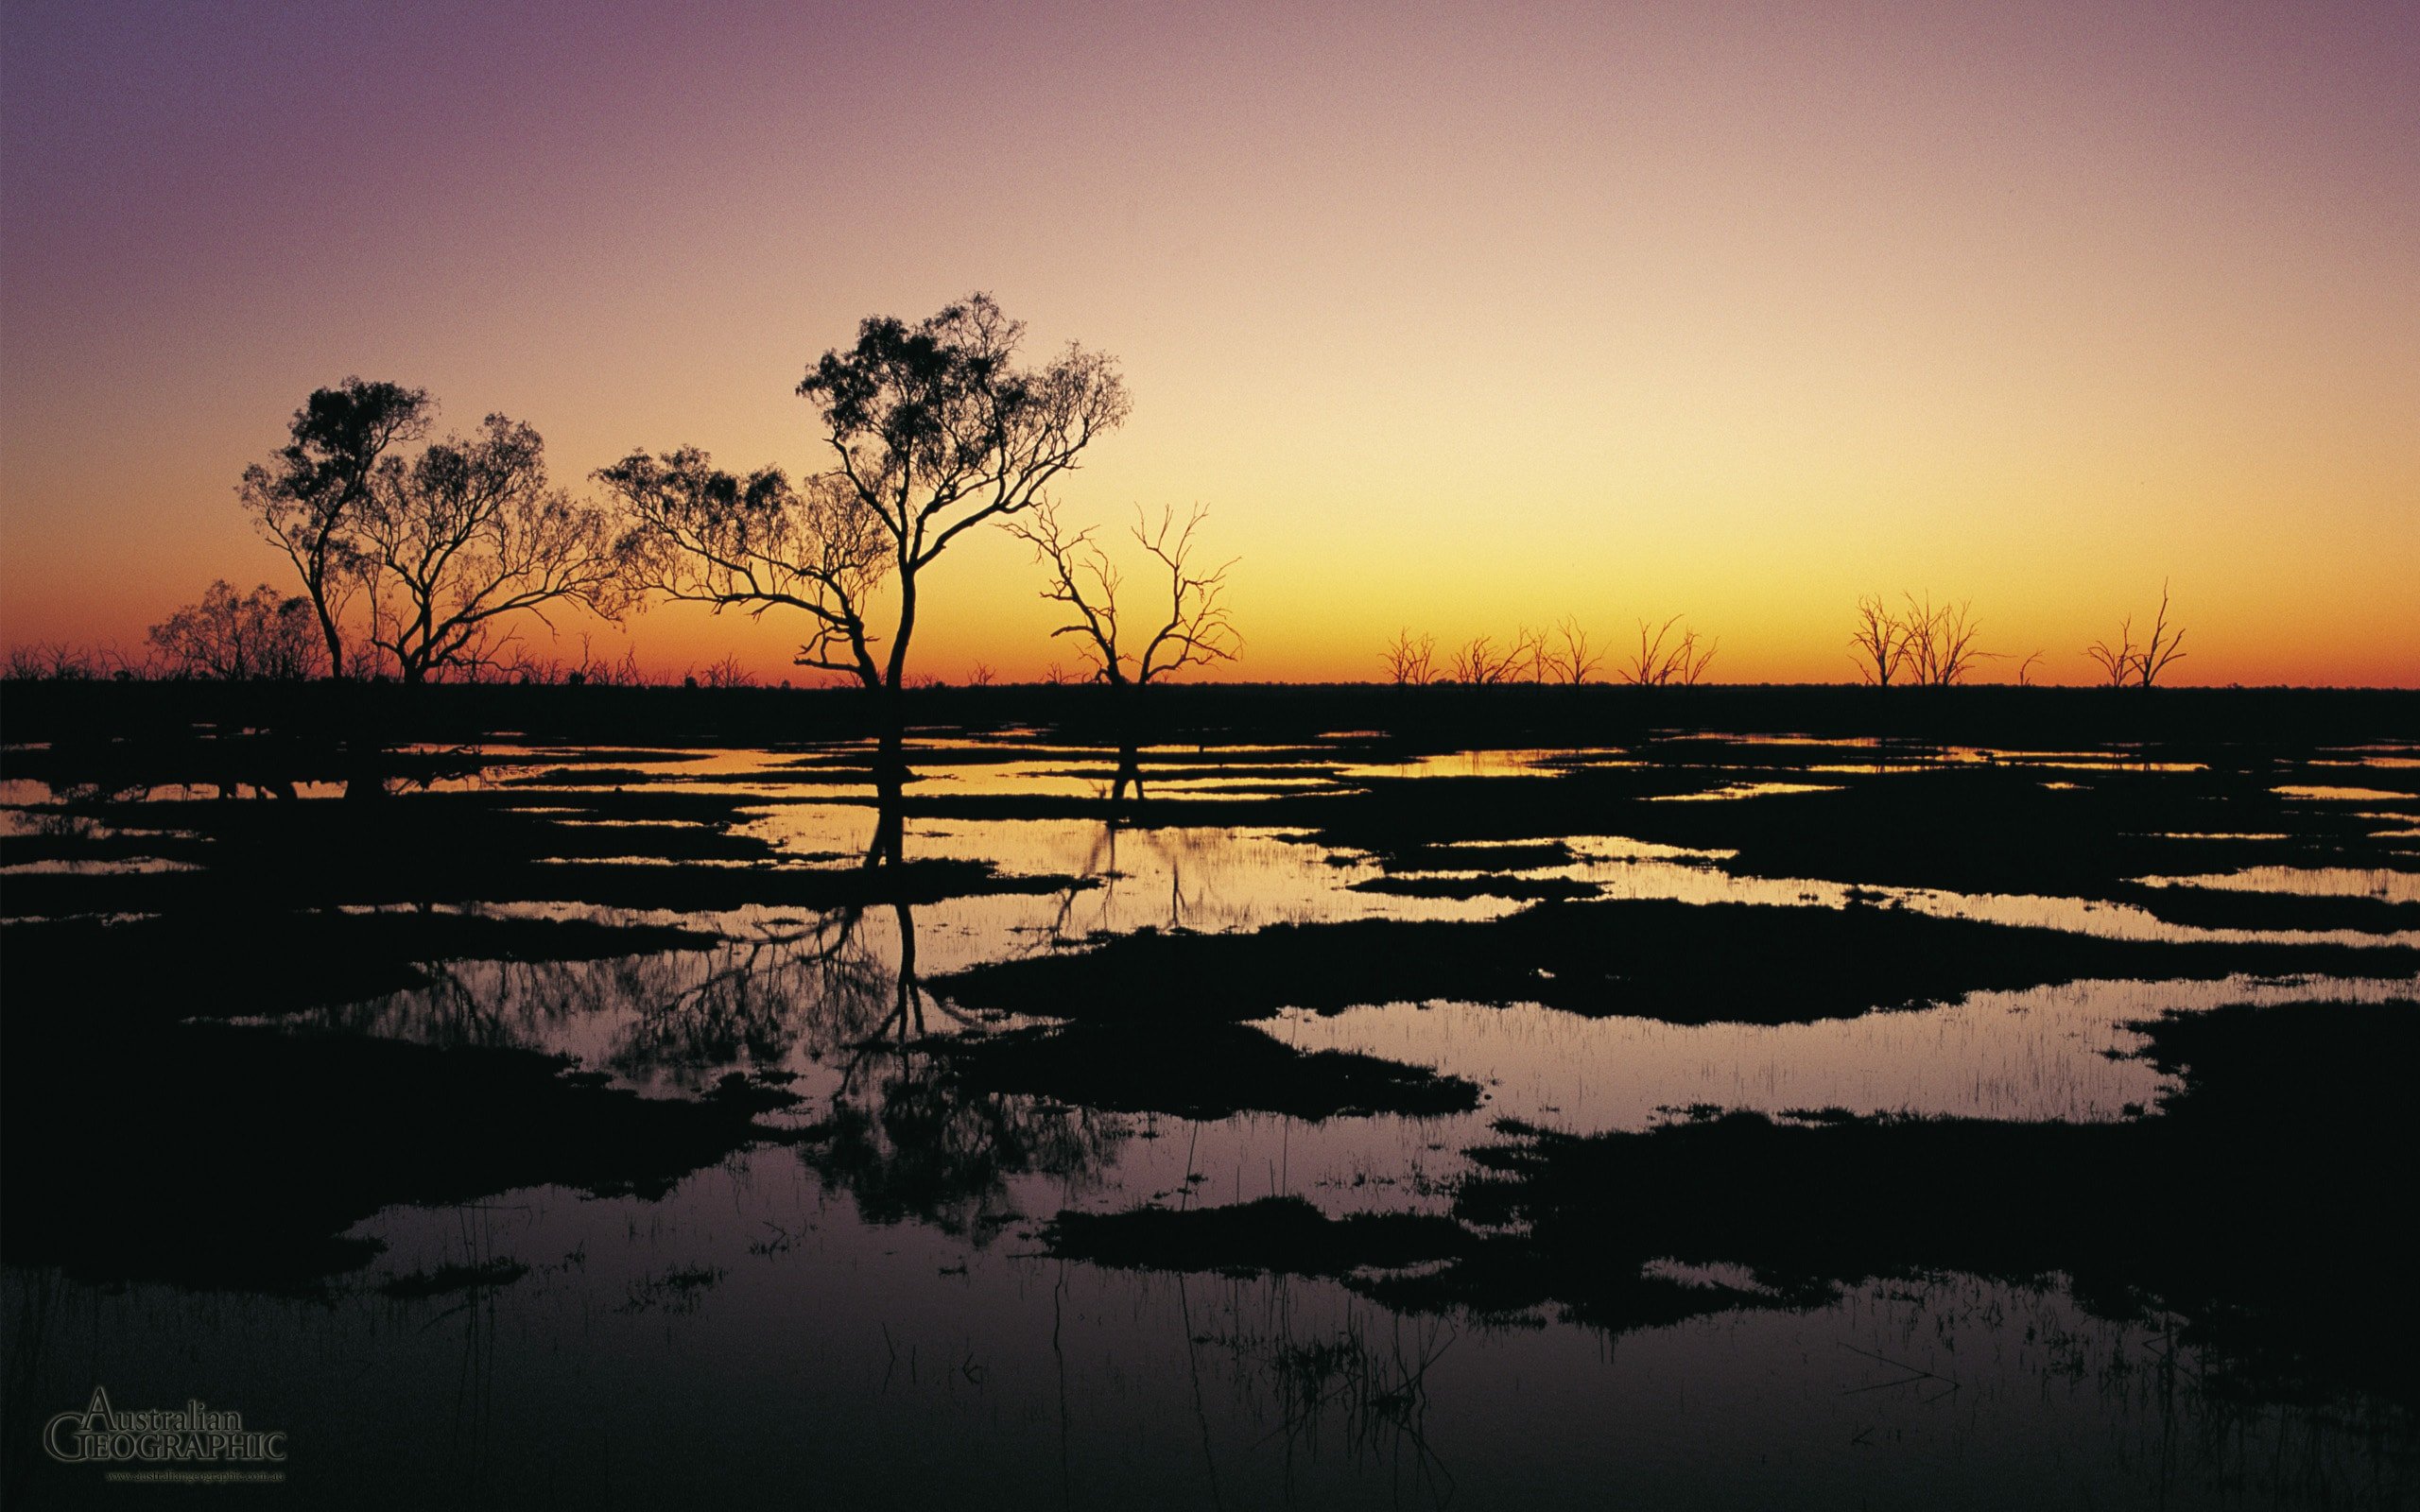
[1455,317]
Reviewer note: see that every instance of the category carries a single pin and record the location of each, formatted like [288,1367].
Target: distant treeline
[247,638]
[1916,644]
[1441,718]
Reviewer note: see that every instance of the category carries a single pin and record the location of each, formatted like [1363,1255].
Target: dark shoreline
[1436,717]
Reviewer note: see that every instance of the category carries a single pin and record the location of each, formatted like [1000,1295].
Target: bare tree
[1880,644]
[1194,630]
[1661,659]
[1477,663]
[2025,669]
[1528,661]
[50,661]
[1939,643]
[2163,648]
[1571,659]
[307,500]
[726,672]
[2125,664]
[465,538]
[1197,630]
[1411,663]
[2117,662]
[262,634]
[1651,664]
[1689,662]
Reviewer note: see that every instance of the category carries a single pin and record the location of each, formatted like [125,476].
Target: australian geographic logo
[195,1434]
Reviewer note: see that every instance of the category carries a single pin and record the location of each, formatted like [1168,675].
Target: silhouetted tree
[1880,644]
[1651,663]
[936,430]
[2117,662]
[726,672]
[1411,663]
[2166,645]
[1689,662]
[1569,659]
[2125,662]
[50,661]
[1478,664]
[1194,630]
[1939,642]
[1526,660]
[262,634]
[1661,660]
[466,536]
[695,533]
[307,500]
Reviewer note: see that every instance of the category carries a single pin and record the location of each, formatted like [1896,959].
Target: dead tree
[1662,660]
[2126,665]
[1479,664]
[1195,630]
[1689,663]
[1939,643]
[1570,660]
[1528,661]
[2162,648]
[2117,662]
[1411,663]
[1880,644]
[1651,666]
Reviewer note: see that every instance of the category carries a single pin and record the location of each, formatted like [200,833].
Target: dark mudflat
[1682,963]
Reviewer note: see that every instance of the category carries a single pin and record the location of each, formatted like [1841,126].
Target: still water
[887,1328]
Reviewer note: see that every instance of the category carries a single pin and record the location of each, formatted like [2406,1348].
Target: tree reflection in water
[908,1138]
[829,1007]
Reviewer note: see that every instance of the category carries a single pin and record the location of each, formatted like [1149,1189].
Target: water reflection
[2062,1052]
[2306,882]
[790,990]
[856,1300]
[889,1366]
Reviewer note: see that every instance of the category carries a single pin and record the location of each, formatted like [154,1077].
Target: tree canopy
[307,499]
[934,428]
[466,535]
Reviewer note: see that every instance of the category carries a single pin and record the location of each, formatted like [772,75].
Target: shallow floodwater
[753,1336]
[884,1328]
